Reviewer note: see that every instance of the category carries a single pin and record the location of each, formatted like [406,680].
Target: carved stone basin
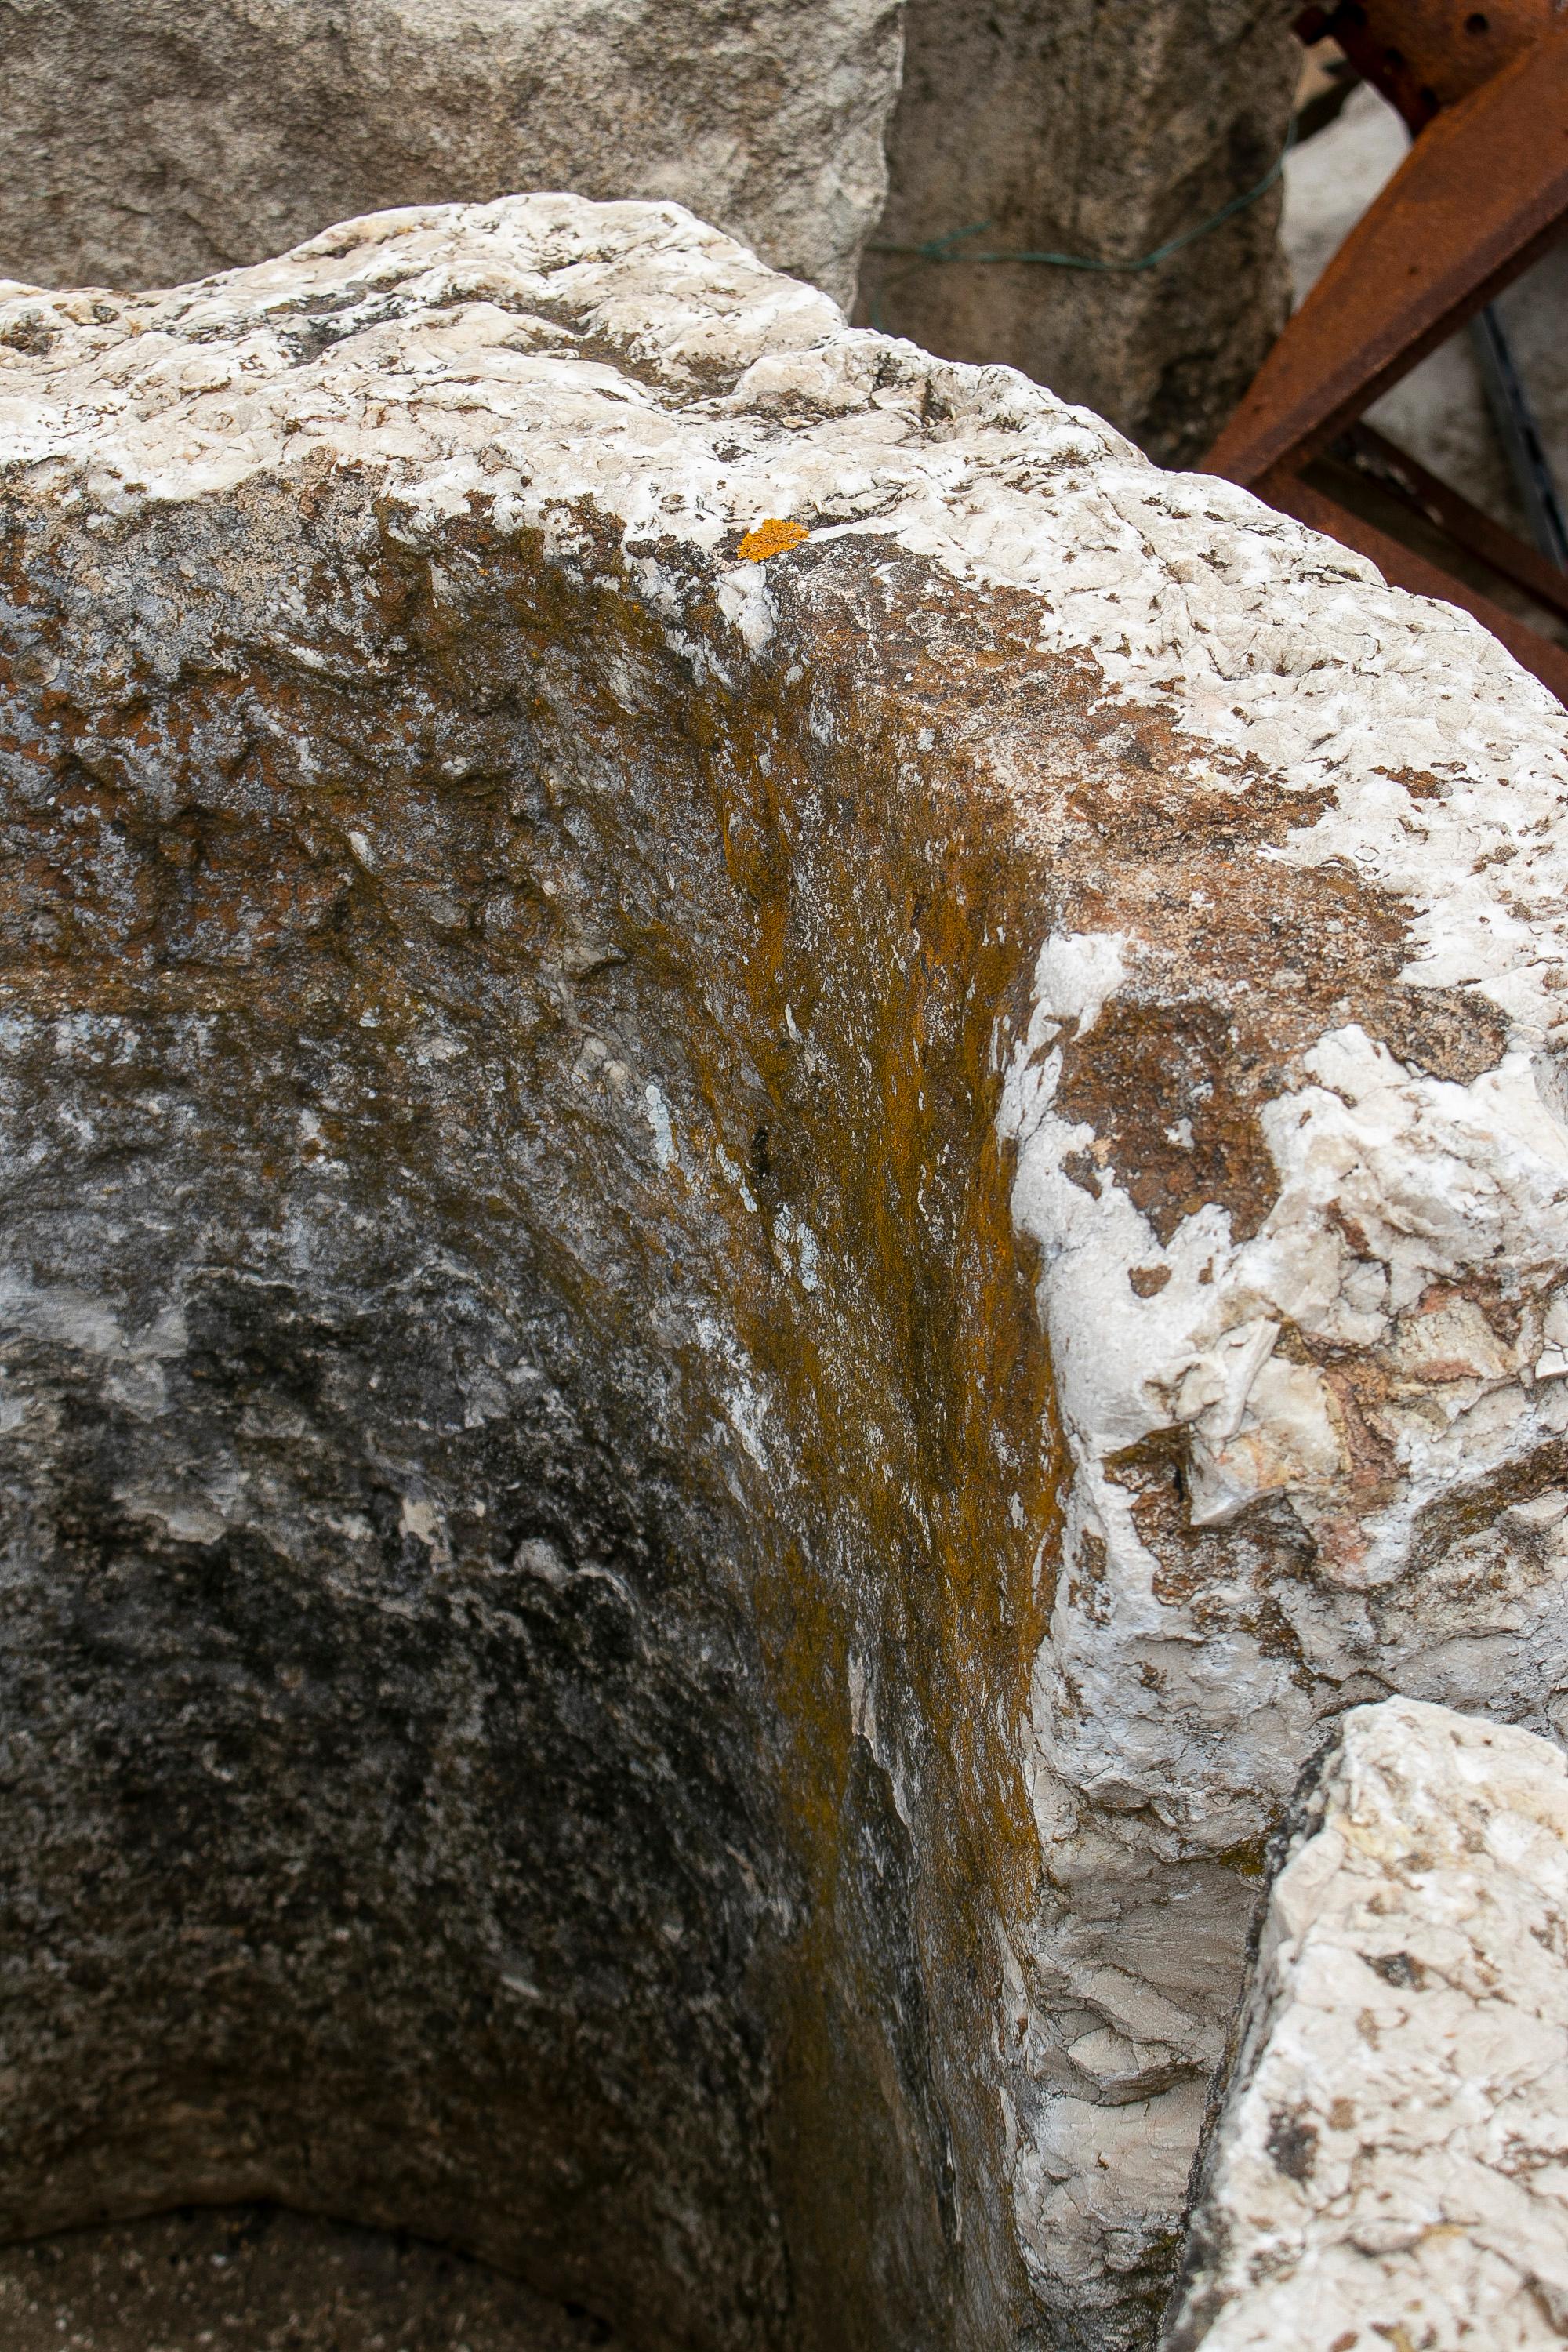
[743,1264]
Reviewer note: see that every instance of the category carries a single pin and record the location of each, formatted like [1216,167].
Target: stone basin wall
[784,1156]
[511,1261]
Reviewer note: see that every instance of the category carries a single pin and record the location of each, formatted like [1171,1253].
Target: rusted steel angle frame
[1483,191]
[1402,567]
[1424,54]
[1511,557]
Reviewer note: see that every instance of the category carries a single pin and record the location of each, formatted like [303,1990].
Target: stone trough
[785,1159]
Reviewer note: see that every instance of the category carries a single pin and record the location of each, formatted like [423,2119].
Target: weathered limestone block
[143,142]
[1100,128]
[1389,2164]
[783,1156]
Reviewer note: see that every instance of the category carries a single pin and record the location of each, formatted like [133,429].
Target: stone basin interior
[258,2278]
[514,1611]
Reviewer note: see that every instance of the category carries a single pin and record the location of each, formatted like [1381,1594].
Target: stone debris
[1102,131]
[1389,2162]
[785,1155]
[145,145]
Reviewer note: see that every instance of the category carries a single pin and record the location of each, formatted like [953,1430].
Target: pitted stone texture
[737,1288]
[144,144]
[1389,2163]
[1102,129]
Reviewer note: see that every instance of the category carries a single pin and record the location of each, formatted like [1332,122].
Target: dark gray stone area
[256,2278]
[403,1821]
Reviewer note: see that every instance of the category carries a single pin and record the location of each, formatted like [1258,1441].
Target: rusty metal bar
[1483,191]
[1424,54]
[1466,524]
[1403,569]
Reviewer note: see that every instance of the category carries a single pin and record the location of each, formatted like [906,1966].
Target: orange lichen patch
[771,537]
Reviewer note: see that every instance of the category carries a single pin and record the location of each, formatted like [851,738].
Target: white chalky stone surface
[1390,2162]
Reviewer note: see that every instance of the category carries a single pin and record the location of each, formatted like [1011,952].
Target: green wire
[941,248]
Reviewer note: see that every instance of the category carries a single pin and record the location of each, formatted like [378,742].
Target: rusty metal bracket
[1423,493]
[1483,192]
[1424,54]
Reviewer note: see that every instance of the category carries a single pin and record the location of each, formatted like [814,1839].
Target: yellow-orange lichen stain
[771,537]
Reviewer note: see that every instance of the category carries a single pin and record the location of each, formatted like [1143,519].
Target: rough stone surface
[253,2278]
[735,1288]
[1389,2164]
[1101,130]
[148,144]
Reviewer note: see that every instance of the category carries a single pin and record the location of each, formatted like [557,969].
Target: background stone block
[147,141]
[1096,128]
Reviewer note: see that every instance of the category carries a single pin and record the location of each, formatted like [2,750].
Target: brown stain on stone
[1240,964]
[1224,1576]
[909,1187]
[1159,1085]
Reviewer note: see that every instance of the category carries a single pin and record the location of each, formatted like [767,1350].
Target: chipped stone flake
[1389,2162]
